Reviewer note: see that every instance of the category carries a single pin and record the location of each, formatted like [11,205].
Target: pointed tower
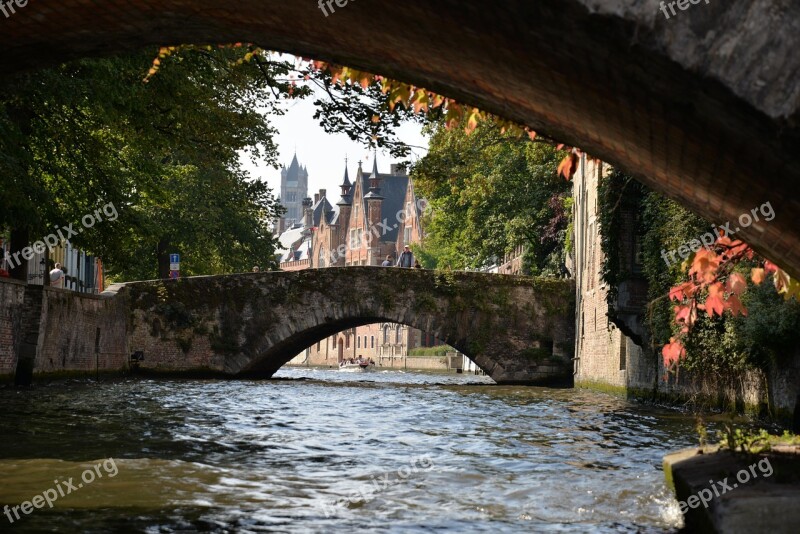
[345,208]
[374,202]
[294,188]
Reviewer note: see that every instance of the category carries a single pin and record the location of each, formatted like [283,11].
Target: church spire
[374,174]
[347,187]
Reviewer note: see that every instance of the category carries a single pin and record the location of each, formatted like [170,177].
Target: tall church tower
[294,188]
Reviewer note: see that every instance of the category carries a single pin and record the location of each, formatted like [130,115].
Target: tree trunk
[19,267]
[163,258]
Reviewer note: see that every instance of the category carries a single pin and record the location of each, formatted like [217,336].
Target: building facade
[613,351]
[83,272]
[376,216]
[609,341]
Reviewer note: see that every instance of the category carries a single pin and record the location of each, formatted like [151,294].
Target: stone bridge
[700,103]
[517,329]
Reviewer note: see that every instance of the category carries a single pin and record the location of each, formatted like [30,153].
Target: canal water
[322,451]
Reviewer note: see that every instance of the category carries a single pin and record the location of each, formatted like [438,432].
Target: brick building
[609,343]
[376,216]
[612,348]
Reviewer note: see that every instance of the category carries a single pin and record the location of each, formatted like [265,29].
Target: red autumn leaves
[712,276]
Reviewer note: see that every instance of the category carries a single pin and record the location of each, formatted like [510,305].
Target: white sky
[324,154]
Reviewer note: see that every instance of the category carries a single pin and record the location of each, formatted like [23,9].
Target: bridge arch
[699,106]
[517,329]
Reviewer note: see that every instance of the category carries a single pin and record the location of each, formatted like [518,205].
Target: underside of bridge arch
[701,106]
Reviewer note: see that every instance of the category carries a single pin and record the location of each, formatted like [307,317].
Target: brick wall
[81,333]
[66,332]
[12,295]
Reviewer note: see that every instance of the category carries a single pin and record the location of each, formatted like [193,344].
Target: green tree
[491,192]
[166,154]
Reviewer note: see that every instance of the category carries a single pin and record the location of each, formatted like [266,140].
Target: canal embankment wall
[55,332]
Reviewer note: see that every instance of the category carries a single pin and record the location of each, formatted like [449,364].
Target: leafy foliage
[491,192]
[616,193]
[166,154]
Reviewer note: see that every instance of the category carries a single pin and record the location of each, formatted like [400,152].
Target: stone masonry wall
[12,295]
[81,334]
[72,333]
[518,329]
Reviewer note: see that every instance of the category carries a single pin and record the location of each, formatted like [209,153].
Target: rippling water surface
[321,451]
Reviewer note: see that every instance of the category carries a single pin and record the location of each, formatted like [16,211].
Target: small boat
[357,366]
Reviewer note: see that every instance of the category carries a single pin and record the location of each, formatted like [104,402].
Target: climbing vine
[709,330]
[617,193]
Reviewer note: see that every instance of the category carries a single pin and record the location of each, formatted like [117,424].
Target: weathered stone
[765,502]
[55,332]
[207,316]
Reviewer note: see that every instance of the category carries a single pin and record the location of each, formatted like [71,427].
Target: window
[397,335]
[623,353]
[386,334]
[358,342]
[407,235]
[372,342]
[365,342]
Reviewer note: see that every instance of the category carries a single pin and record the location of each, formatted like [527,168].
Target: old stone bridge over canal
[517,329]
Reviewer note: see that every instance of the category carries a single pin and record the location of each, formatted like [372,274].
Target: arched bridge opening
[386,343]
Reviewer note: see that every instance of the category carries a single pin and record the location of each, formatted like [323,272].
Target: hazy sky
[324,154]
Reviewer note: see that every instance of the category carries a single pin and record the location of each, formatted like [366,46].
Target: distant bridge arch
[517,329]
